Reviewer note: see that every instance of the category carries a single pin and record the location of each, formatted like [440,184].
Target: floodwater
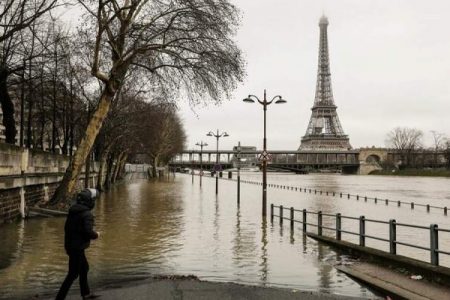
[173,226]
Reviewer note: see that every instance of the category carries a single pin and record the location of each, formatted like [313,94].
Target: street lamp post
[264,156]
[201,145]
[238,156]
[217,136]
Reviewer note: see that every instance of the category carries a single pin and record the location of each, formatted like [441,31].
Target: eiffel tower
[324,129]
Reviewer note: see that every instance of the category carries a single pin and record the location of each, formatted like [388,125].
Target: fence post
[348,196]
[357,197]
[434,244]
[271,212]
[376,199]
[412,205]
[362,231]
[392,236]
[365,199]
[334,194]
[428,207]
[338,226]
[445,210]
[319,223]
[399,203]
[281,214]
[387,202]
[340,195]
[304,220]
[292,218]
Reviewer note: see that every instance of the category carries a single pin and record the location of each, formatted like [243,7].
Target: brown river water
[172,226]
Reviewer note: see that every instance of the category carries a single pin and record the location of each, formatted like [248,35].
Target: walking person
[78,233]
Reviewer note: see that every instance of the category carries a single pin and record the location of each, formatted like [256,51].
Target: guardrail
[393,224]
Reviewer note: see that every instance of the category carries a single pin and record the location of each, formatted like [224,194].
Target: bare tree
[184,45]
[405,140]
[16,16]
[438,144]
[161,133]
[447,153]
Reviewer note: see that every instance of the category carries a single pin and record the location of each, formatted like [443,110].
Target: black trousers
[78,266]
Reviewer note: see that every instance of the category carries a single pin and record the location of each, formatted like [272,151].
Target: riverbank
[191,288]
[414,172]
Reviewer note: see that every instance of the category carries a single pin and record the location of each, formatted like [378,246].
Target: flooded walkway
[174,227]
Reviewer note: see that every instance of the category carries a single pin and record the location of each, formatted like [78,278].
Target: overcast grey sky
[390,64]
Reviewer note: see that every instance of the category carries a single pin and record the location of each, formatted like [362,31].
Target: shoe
[91,296]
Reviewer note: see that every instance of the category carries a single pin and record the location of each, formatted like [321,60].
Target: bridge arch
[373,158]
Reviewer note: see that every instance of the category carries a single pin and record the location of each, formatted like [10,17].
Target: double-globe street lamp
[217,166]
[201,145]
[264,156]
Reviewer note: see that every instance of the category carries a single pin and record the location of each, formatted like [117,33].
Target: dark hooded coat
[79,227]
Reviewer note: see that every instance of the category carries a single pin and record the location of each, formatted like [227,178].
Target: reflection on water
[264,256]
[174,227]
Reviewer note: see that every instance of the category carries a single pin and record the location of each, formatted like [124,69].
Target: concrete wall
[28,177]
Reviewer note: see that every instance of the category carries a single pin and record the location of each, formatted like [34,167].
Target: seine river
[172,226]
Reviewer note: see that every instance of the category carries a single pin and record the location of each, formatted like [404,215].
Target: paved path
[394,283]
[185,289]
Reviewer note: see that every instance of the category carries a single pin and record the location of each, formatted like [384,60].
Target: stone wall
[9,204]
[10,159]
[31,176]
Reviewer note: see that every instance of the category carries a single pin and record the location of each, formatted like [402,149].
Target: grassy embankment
[415,172]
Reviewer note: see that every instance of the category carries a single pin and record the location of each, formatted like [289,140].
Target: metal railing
[361,233]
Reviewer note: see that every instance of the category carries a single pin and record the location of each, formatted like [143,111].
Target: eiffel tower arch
[324,130]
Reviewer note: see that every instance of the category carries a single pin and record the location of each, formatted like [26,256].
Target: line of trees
[109,87]
[408,141]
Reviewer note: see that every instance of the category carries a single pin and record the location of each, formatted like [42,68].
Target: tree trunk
[154,165]
[109,171]
[22,105]
[103,158]
[42,117]
[119,163]
[67,187]
[87,171]
[7,109]
[71,122]
[65,126]
[122,166]
[30,109]
[116,166]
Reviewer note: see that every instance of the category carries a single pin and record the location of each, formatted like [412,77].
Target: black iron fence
[393,241]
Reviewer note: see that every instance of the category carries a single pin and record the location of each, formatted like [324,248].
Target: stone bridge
[370,159]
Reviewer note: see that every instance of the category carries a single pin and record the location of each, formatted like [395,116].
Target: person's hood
[87,197]
[77,208]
